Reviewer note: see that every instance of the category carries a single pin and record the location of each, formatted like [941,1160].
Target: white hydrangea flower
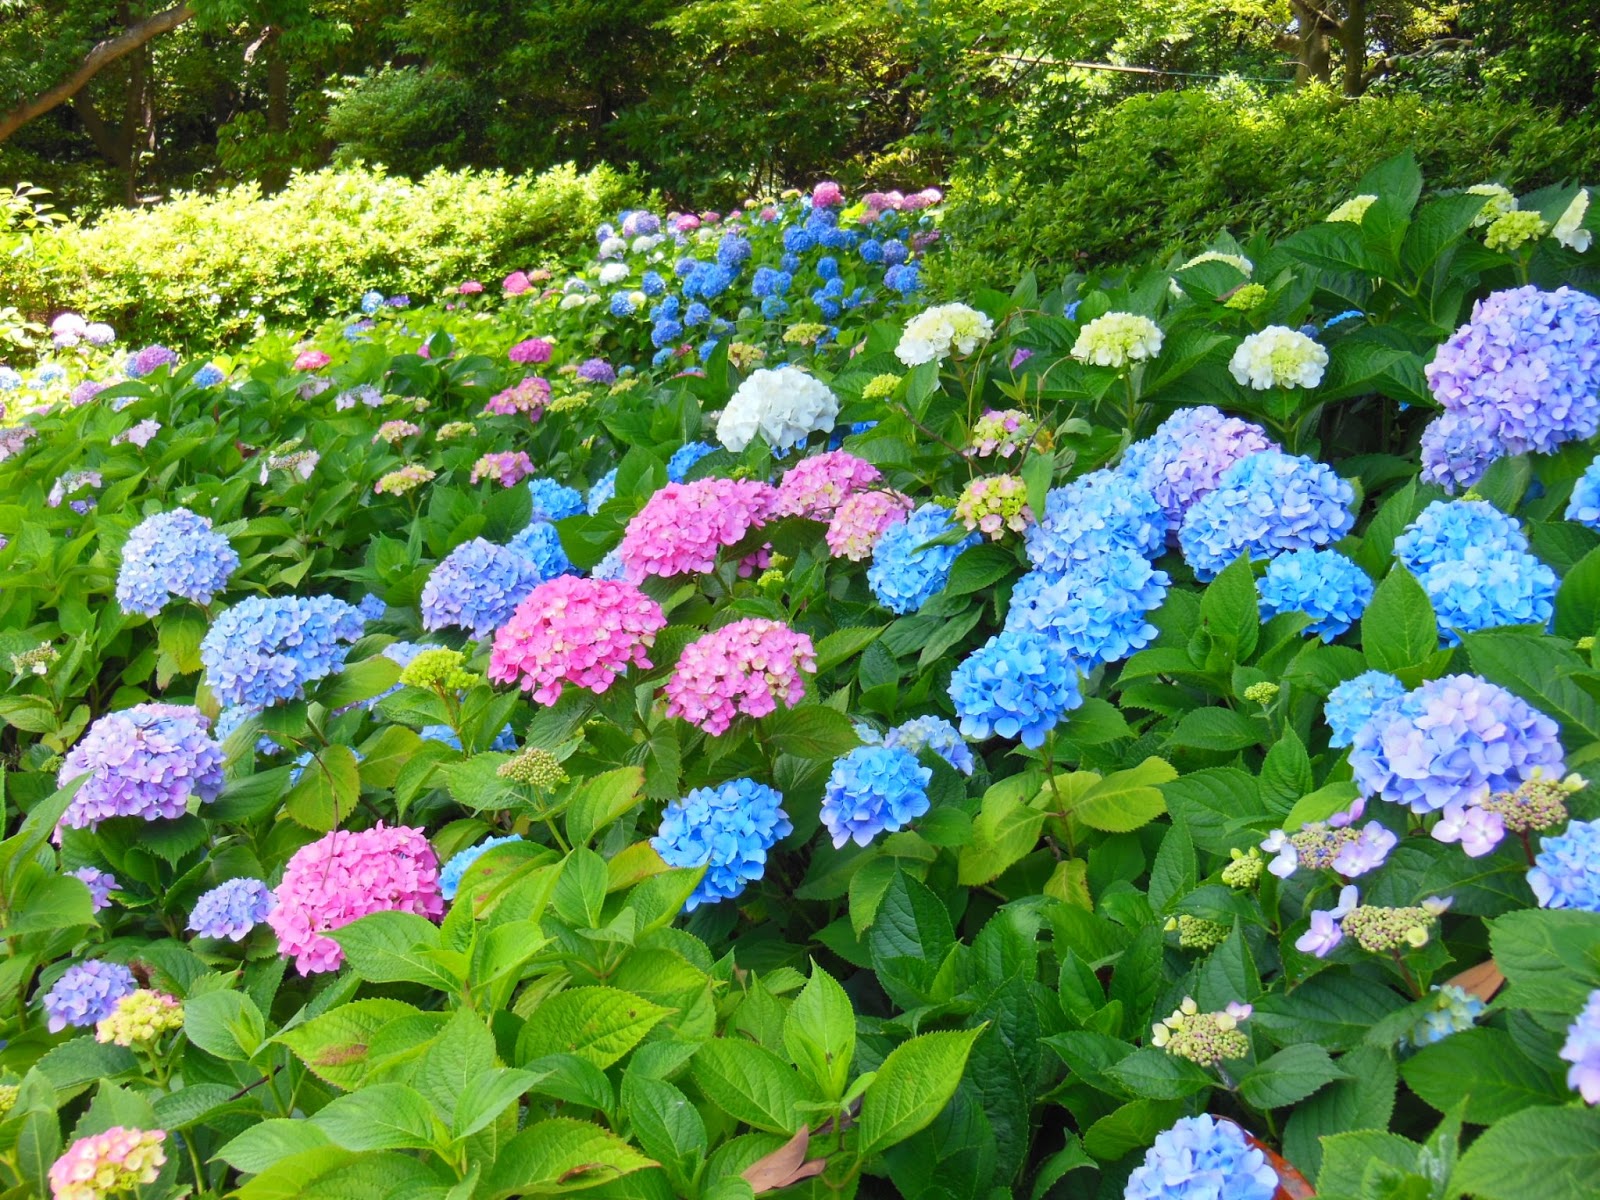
[1116,339]
[933,333]
[1353,210]
[1498,201]
[1278,357]
[1568,229]
[613,273]
[1238,261]
[613,247]
[784,406]
[647,242]
[573,300]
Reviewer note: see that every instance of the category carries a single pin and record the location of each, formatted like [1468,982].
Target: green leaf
[819,1033]
[1289,1076]
[1286,774]
[1157,1075]
[1363,1101]
[487,1095]
[1131,1127]
[912,1087]
[335,1045]
[598,1024]
[1484,1068]
[1536,1154]
[1538,669]
[666,1126]
[54,902]
[328,790]
[226,1024]
[1004,832]
[393,947]
[557,1156]
[1398,630]
[1550,956]
[844,644]
[461,1052]
[598,801]
[1175,872]
[381,1116]
[1125,800]
[978,566]
[812,731]
[1037,473]
[1216,729]
[358,682]
[750,1084]
[271,1141]
[1230,611]
[1578,600]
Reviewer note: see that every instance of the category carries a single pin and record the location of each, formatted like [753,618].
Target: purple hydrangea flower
[1566,871]
[1582,1050]
[1368,852]
[728,830]
[477,587]
[170,554]
[1017,684]
[596,370]
[1264,505]
[1458,447]
[263,650]
[86,993]
[873,789]
[1102,511]
[151,358]
[100,884]
[1185,457]
[1202,1158]
[145,761]
[232,909]
[1323,584]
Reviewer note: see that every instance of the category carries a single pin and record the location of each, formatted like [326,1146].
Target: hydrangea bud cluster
[1511,231]
[86,993]
[477,587]
[37,661]
[345,876]
[439,669]
[1384,930]
[815,487]
[861,520]
[1244,869]
[993,504]
[533,767]
[265,650]
[528,397]
[140,1017]
[748,667]
[505,467]
[1538,803]
[1003,432]
[909,565]
[451,430]
[231,909]
[880,387]
[407,479]
[584,632]
[936,333]
[1450,1010]
[726,829]
[1117,339]
[1582,1050]
[1353,703]
[872,790]
[1018,684]
[1335,845]
[1263,505]
[1566,871]
[454,870]
[108,1164]
[684,526]
[1197,933]
[146,761]
[783,406]
[1202,1158]
[1278,357]
[1205,1039]
[1323,584]
[171,554]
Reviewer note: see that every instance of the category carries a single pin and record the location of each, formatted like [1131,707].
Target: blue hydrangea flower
[706,349]
[1263,505]
[1101,511]
[733,249]
[1450,1010]
[170,554]
[652,284]
[894,252]
[1566,871]
[1584,507]
[554,501]
[208,376]
[663,356]
[1353,702]
[371,607]
[477,587]
[266,650]
[1186,455]
[371,302]
[1202,1158]
[905,570]
[1095,610]
[231,910]
[799,240]
[871,251]
[873,789]
[1017,684]
[905,279]
[611,566]
[668,307]
[621,305]
[86,993]
[10,379]
[604,489]
[1323,584]
[541,545]
[935,734]
[1582,1050]
[827,267]
[696,314]
[1451,739]
[450,875]
[665,333]
[1486,590]
[774,307]
[100,884]
[727,829]
[1445,529]
[1457,449]
[684,458]
[504,742]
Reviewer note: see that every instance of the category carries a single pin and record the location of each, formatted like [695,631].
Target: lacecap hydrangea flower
[1102,511]
[727,829]
[584,632]
[1202,1158]
[934,333]
[1264,505]
[861,521]
[1095,611]
[815,487]
[1566,871]
[747,667]
[1278,357]
[450,877]
[1017,684]
[871,790]
[1353,702]
[347,875]
[174,553]
[86,993]
[906,569]
[1117,339]
[477,586]
[1582,1050]
[231,909]
[1450,739]
[265,650]
[1185,457]
[783,405]
[684,526]
[108,1164]
[554,501]
[146,761]
[1323,584]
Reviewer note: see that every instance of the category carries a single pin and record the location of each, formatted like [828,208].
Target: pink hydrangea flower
[345,876]
[470,288]
[531,350]
[311,360]
[529,396]
[686,222]
[516,283]
[827,194]
[681,528]
[747,667]
[584,632]
[506,467]
[816,486]
[861,520]
[394,431]
[108,1164]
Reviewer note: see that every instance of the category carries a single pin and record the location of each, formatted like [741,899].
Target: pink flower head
[507,467]
[394,431]
[921,241]
[470,288]
[861,520]
[686,222]
[529,396]
[827,194]
[769,213]
[876,202]
[710,218]
[516,283]
[344,876]
[311,360]
[746,667]
[107,1164]
[539,276]
[531,350]
[681,528]
[584,632]
[815,487]
[926,198]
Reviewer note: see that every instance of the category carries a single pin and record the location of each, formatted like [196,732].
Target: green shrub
[212,268]
[1177,168]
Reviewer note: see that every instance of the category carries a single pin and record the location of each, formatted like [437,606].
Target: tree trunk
[1316,57]
[1353,38]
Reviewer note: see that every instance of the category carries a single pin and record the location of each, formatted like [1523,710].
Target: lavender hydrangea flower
[541,545]
[1450,739]
[451,873]
[871,790]
[170,554]
[1017,684]
[477,587]
[1566,871]
[935,734]
[100,884]
[554,501]
[727,829]
[1202,1158]
[596,370]
[151,358]
[1323,584]
[1582,1050]
[1584,507]
[1102,511]
[1264,505]
[145,761]
[1185,457]
[1458,447]
[265,650]
[1445,530]
[1353,702]
[1096,610]
[906,570]
[231,910]
[86,993]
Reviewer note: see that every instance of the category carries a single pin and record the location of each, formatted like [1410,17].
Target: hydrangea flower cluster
[1263,505]
[1353,702]
[266,650]
[1566,871]
[1539,803]
[86,994]
[727,829]
[477,586]
[1584,507]
[1205,1039]
[935,734]
[1457,448]
[1484,591]
[682,528]
[139,1017]
[992,504]
[861,520]
[1450,1010]
[1017,684]
[231,909]
[1323,584]
[108,1164]
[935,333]
[406,479]
[1450,739]
[1002,432]
[783,405]
[1202,1158]
[815,487]
[506,467]
[871,790]
[528,397]
[149,360]
[347,875]
[1096,611]
[1278,357]
[1185,457]
[1102,511]
[100,884]
[1376,929]
[1117,339]
[1582,1050]
[684,458]
[174,553]
[396,431]
[145,761]
[541,545]
[454,870]
[906,569]
[1445,530]
[747,667]
[584,632]
[531,351]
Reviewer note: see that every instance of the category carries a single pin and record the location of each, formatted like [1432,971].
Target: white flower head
[613,273]
[1498,201]
[1116,339]
[1353,209]
[932,334]
[613,247]
[1568,229]
[784,406]
[1278,357]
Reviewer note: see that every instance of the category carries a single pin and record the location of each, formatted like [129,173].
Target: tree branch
[100,57]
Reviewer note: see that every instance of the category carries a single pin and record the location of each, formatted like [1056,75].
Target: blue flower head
[174,553]
[697,314]
[1353,702]
[1445,529]
[1017,684]
[1458,447]
[1264,505]
[727,829]
[871,251]
[1566,871]
[905,279]
[477,587]
[208,376]
[935,734]
[371,302]
[621,305]
[1584,507]
[1096,609]
[265,650]
[733,249]
[669,306]
[1102,511]
[372,607]
[1450,1010]
[604,489]
[874,789]
[665,333]
[684,458]
[86,993]
[799,240]
[905,570]
[827,267]
[1483,590]
[1202,1158]
[774,307]
[541,545]
[894,252]
[652,284]
[450,875]
[554,501]
[231,910]
[1323,584]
